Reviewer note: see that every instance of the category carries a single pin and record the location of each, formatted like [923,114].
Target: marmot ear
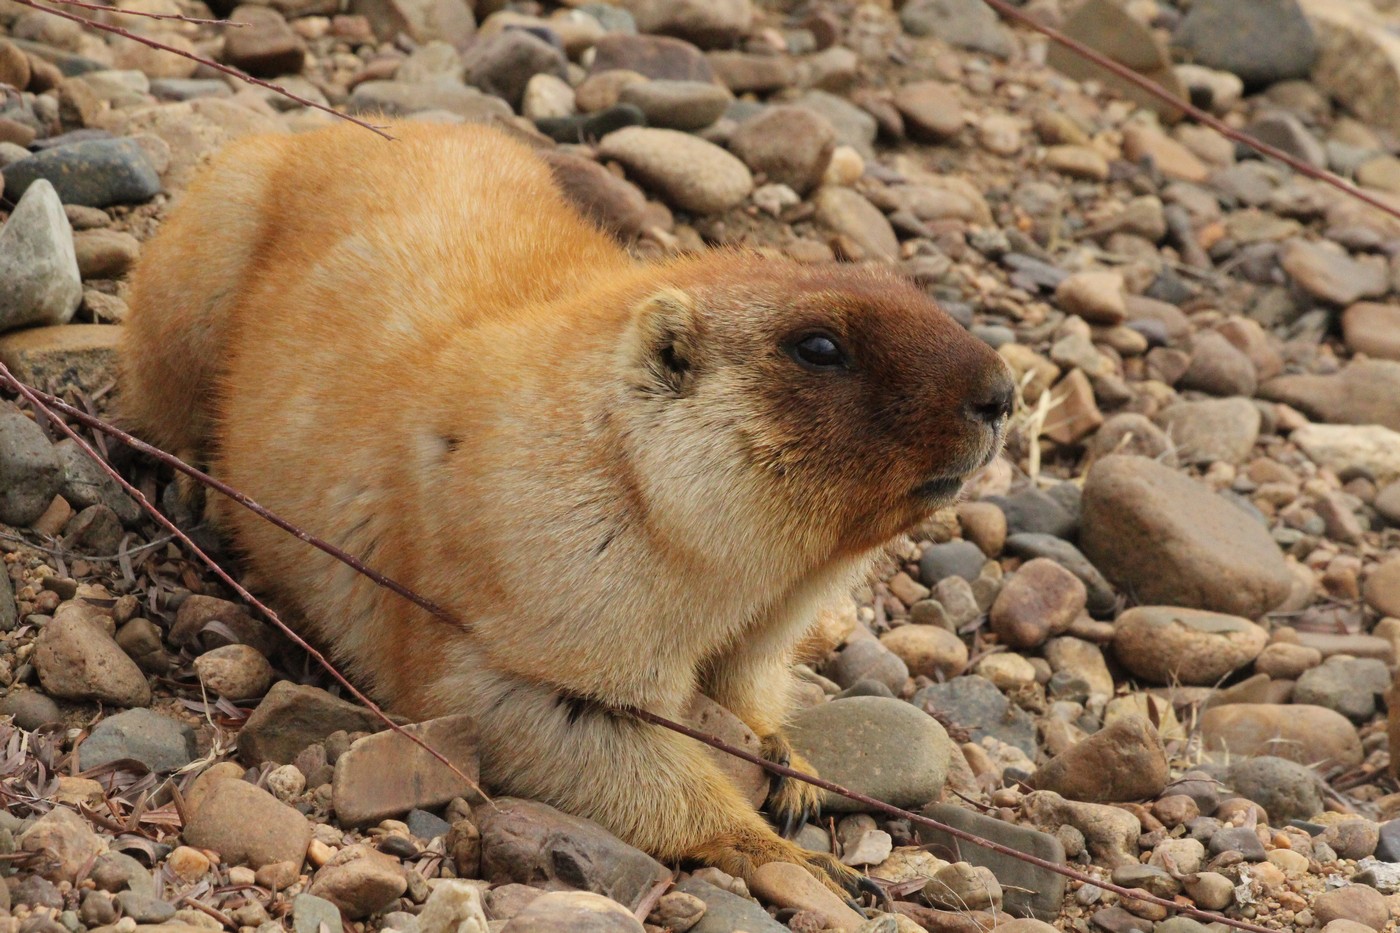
[667,343]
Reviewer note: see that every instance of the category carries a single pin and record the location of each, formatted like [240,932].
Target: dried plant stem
[208,62]
[1194,112]
[32,397]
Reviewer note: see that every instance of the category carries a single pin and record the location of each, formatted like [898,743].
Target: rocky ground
[1155,641]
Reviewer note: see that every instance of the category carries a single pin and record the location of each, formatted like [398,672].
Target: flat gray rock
[91,173]
[1029,891]
[158,742]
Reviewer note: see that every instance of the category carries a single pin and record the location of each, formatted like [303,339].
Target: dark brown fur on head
[874,444]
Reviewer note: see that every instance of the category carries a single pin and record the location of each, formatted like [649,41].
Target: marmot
[634,480]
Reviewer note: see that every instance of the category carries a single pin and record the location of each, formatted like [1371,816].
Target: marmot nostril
[992,401]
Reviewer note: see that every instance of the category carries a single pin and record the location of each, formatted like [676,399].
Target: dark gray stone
[96,173]
[880,747]
[70,63]
[1029,891]
[1345,684]
[969,24]
[1285,789]
[1241,839]
[587,127]
[292,717]
[975,704]
[1035,511]
[1101,596]
[117,871]
[868,659]
[30,471]
[426,825]
[613,18]
[1285,131]
[951,559]
[504,63]
[1388,849]
[854,127]
[1180,925]
[178,89]
[9,612]
[865,687]
[1262,41]
[85,484]
[660,58]
[145,908]
[158,742]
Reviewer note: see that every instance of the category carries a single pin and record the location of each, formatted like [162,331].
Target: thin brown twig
[174,462]
[31,396]
[177,17]
[208,62]
[1194,112]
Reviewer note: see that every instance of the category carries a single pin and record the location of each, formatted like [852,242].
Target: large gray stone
[292,717]
[882,747]
[1262,41]
[969,24]
[39,280]
[85,483]
[1285,789]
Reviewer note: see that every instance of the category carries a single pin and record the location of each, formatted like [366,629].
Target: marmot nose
[991,402]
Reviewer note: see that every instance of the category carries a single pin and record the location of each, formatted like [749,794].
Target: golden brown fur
[617,472]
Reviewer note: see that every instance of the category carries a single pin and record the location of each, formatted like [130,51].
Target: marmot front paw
[791,803]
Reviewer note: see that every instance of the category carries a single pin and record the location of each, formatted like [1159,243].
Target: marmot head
[839,403]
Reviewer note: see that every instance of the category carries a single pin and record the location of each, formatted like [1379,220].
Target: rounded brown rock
[1170,540]
[1039,601]
[1356,902]
[1121,762]
[790,145]
[1312,735]
[1168,644]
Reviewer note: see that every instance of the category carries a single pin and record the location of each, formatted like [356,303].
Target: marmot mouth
[944,487]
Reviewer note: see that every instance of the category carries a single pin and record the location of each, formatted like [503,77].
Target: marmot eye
[819,351]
